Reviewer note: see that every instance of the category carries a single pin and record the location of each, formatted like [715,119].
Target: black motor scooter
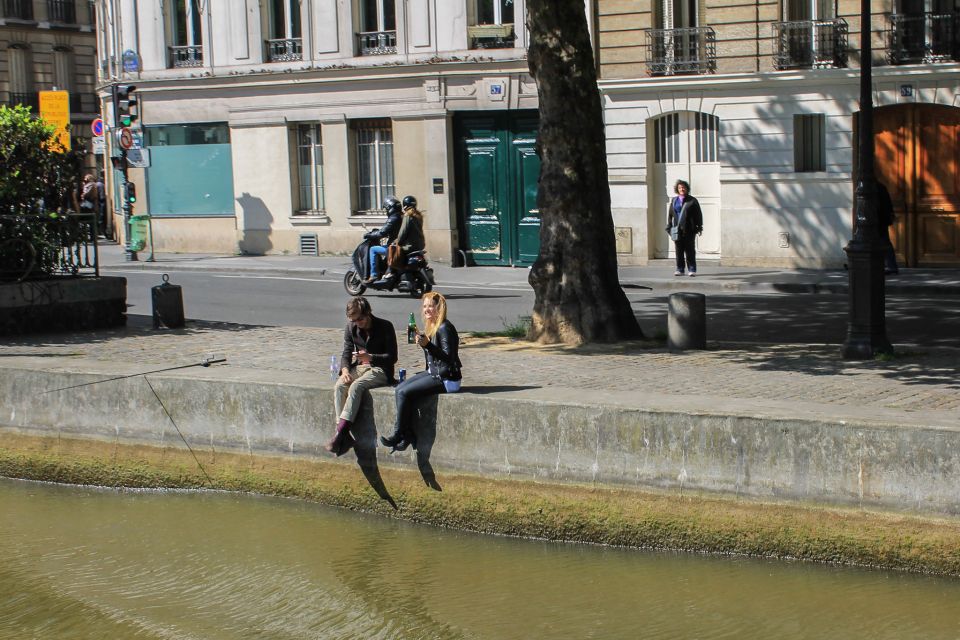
[415,278]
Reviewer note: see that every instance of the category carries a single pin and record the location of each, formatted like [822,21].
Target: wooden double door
[917,151]
[497,174]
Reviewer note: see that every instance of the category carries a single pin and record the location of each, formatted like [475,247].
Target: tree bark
[578,294]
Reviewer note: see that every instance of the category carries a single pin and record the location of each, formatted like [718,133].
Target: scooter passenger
[410,238]
[389,231]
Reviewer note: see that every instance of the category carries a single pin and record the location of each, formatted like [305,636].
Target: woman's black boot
[392,440]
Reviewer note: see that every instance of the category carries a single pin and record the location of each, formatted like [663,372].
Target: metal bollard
[686,321]
[167,304]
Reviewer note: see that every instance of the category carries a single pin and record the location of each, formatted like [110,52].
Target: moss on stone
[573,513]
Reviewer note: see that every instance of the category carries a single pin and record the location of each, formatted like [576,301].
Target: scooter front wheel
[353,283]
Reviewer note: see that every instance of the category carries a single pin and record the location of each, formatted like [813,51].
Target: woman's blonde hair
[413,212]
[430,328]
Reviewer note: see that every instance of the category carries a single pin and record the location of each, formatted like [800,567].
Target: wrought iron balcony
[20,9]
[690,50]
[377,43]
[28,99]
[491,36]
[185,57]
[284,49]
[62,11]
[810,44]
[926,37]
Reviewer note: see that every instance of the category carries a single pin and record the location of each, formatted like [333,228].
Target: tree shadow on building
[256,223]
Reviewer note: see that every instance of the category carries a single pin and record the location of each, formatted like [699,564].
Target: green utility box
[139,228]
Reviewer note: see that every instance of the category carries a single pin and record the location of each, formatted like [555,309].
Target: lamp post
[866,327]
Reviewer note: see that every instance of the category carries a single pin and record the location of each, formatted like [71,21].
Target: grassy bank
[574,513]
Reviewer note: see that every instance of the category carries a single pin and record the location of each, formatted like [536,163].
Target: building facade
[279,126]
[50,45]
[755,103]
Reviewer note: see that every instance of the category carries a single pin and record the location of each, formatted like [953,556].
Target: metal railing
[62,11]
[186,56]
[689,50]
[30,99]
[926,37]
[40,245]
[810,44]
[284,49]
[377,43]
[21,9]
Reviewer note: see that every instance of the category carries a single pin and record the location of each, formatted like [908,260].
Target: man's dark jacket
[380,342]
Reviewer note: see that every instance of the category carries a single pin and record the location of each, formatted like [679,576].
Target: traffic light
[125,104]
[131,192]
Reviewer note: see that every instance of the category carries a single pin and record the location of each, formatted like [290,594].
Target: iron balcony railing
[377,43]
[284,49]
[926,37]
[810,44]
[689,50]
[30,99]
[62,11]
[39,245]
[20,9]
[187,56]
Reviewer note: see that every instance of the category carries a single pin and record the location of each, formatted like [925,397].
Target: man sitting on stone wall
[369,355]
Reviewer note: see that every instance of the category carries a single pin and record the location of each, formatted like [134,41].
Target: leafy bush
[38,186]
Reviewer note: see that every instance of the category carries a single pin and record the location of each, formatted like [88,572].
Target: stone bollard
[686,321]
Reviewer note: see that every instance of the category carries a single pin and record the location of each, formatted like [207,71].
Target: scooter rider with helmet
[389,230]
[410,238]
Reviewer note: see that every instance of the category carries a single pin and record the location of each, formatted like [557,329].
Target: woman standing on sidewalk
[440,344]
[684,222]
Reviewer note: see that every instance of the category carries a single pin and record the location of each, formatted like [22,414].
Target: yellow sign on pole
[55,110]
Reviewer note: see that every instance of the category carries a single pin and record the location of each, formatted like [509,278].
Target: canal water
[95,563]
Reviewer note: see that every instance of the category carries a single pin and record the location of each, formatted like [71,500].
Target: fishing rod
[204,362]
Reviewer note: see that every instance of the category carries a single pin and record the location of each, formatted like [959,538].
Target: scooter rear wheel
[419,287]
[353,283]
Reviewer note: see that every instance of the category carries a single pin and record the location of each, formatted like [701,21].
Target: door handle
[536,211]
[480,210]
[936,208]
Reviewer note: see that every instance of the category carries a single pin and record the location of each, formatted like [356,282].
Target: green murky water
[89,563]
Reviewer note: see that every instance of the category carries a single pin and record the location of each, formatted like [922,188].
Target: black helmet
[409,201]
[391,205]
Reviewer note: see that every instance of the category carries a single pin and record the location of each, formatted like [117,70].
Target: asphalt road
[318,301]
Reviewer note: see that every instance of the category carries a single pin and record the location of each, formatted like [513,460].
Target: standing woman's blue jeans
[374,253]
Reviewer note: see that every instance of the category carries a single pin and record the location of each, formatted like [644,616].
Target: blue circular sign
[97,127]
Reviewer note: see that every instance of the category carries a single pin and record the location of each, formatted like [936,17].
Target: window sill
[305,218]
[367,217]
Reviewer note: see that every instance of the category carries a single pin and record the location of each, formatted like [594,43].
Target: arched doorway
[683,146]
[917,150]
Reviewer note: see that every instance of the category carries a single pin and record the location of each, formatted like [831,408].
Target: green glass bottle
[411,329]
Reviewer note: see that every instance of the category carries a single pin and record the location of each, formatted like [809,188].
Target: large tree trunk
[578,295]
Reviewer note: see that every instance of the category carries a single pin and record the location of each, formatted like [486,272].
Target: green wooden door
[498,170]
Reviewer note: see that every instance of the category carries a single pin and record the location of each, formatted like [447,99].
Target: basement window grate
[308,244]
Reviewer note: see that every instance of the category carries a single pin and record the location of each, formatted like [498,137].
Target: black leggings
[409,392]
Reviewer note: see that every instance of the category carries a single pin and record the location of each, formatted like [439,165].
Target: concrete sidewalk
[657,275]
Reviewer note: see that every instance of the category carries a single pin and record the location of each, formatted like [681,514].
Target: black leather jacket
[441,353]
[389,230]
